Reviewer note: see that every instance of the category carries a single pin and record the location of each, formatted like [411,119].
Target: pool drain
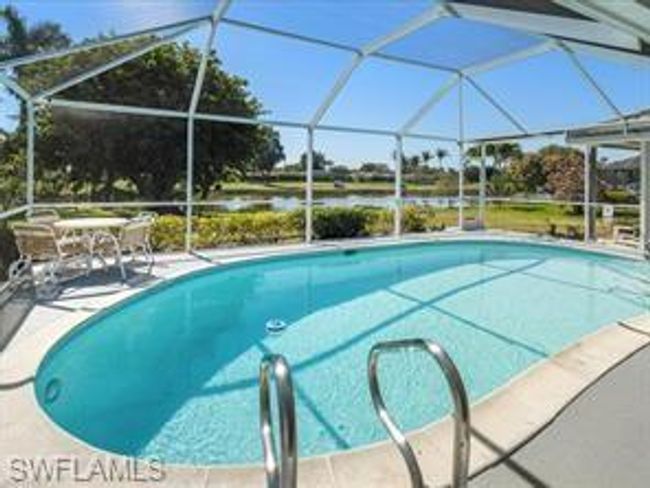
[275,326]
[52,390]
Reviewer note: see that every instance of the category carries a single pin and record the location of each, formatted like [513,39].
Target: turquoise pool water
[173,372]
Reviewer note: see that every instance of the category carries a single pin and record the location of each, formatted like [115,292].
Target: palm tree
[414,162]
[500,152]
[426,156]
[441,155]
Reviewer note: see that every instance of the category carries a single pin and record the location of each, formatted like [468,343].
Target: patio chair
[45,216]
[133,239]
[625,235]
[37,243]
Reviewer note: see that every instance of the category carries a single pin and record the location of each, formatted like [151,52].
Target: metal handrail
[283,474]
[461,409]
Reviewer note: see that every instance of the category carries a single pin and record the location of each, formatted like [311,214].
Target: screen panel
[354,23]
[545,92]
[457,43]
[287,78]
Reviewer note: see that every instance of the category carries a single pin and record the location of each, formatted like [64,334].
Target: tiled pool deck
[501,423]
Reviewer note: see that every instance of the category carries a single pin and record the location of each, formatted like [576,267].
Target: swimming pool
[173,372]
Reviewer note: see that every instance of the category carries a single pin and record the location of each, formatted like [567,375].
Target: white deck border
[532,400]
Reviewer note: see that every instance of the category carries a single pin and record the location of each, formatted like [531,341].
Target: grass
[327,188]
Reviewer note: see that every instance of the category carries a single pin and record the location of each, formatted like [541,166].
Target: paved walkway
[601,440]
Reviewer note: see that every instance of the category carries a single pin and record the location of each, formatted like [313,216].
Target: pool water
[173,373]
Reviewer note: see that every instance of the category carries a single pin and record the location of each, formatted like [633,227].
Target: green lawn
[327,188]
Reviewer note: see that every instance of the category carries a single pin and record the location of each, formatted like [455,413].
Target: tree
[340,171]
[21,40]
[320,161]
[270,153]
[527,172]
[149,152]
[377,168]
[94,150]
[441,154]
[564,171]
[410,164]
[499,152]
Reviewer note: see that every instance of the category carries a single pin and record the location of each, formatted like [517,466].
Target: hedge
[245,228]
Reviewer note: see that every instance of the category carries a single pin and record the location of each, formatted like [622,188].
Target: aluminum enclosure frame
[458,77]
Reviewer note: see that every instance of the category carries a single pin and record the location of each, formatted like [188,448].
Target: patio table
[90,224]
[90,227]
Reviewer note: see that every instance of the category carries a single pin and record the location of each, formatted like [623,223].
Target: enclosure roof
[614,133]
[489,52]
[620,26]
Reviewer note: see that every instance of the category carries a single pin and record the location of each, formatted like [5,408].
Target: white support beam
[600,93]
[200,74]
[232,119]
[14,87]
[414,24]
[429,137]
[506,113]
[645,196]
[518,137]
[482,186]
[590,157]
[510,58]
[461,157]
[31,136]
[309,187]
[116,62]
[438,95]
[189,184]
[422,20]
[340,83]
[218,13]
[114,108]
[13,211]
[608,13]
[399,154]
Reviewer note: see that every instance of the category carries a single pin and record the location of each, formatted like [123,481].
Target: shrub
[168,233]
[415,218]
[246,228]
[226,229]
[619,197]
[340,222]
[380,222]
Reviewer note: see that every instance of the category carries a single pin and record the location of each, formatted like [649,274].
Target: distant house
[624,173]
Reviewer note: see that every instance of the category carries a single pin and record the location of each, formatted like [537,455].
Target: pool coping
[533,399]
